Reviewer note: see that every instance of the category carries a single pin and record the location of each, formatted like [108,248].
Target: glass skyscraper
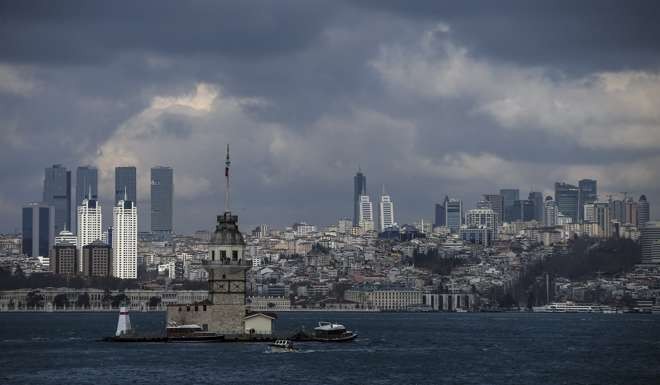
[537,198]
[162,198]
[38,229]
[567,197]
[87,178]
[509,196]
[125,180]
[588,194]
[359,189]
[57,193]
[454,214]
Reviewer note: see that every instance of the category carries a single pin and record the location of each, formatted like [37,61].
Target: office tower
[359,189]
[588,193]
[64,259]
[550,212]
[497,204]
[57,193]
[97,260]
[481,217]
[366,217]
[124,239]
[90,221]
[125,183]
[439,217]
[590,213]
[522,210]
[386,219]
[617,211]
[65,236]
[649,241]
[630,212]
[38,229]
[87,178]
[162,200]
[454,214]
[644,211]
[537,198]
[509,196]
[568,200]
[602,218]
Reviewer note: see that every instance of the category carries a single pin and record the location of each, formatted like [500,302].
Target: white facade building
[89,223]
[366,213]
[550,212]
[124,240]
[65,236]
[481,217]
[386,219]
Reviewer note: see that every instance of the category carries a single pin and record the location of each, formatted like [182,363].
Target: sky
[428,98]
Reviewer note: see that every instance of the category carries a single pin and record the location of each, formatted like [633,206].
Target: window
[196,308]
[213,255]
[204,307]
[223,254]
[234,255]
[187,308]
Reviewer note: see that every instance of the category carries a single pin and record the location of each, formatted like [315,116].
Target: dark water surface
[413,348]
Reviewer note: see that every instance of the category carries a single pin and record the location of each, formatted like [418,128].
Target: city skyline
[426,101]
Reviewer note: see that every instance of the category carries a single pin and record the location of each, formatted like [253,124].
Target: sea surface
[392,348]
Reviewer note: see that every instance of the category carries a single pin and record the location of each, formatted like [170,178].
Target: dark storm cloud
[306,92]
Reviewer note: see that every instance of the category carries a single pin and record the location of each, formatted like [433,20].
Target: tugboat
[282,346]
[332,332]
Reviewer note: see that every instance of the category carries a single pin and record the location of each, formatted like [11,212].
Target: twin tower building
[363,216]
[93,251]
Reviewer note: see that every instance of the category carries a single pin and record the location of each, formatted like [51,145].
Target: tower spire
[227,163]
[125,194]
[89,192]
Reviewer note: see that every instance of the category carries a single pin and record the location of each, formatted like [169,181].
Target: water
[413,348]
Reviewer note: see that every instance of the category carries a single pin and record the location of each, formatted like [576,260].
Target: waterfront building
[650,242]
[449,302]
[386,218]
[644,211]
[509,196]
[537,199]
[64,259]
[384,298]
[87,184]
[57,193]
[38,229]
[359,189]
[454,214]
[568,200]
[366,216]
[65,236]
[124,239]
[497,204]
[550,212]
[588,193]
[97,259]
[162,200]
[125,184]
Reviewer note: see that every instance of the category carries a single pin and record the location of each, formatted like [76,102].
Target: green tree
[154,301]
[83,300]
[60,301]
[34,299]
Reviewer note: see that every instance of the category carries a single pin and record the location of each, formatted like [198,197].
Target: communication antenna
[227,163]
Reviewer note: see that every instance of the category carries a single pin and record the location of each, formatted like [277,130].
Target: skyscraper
[97,260]
[522,210]
[124,239]
[644,211]
[497,204]
[57,193]
[568,200]
[630,212]
[125,182]
[440,217]
[38,229]
[602,218]
[162,199]
[87,177]
[649,241]
[550,212]
[454,214]
[359,189]
[64,259]
[588,194]
[386,219]
[537,198]
[366,218]
[90,221]
[509,196]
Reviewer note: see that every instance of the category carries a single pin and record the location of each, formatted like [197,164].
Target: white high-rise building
[89,222]
[481,217]
[550,212]
[602,218]
[366,213]
[65,236]
[124,240]
[386,219]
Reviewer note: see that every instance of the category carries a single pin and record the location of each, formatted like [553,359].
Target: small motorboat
[282,346]
[332,332]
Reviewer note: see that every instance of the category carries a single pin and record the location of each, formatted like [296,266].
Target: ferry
[282,346]
[571,307]
[332,332]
